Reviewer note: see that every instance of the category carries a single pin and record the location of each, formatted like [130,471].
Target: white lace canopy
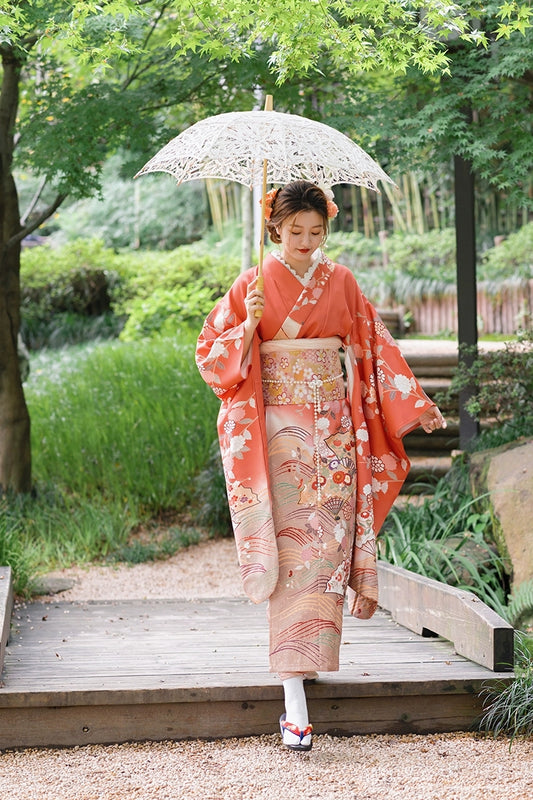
[234,146]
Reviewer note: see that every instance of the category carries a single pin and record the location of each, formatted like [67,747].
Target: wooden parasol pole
[269,106]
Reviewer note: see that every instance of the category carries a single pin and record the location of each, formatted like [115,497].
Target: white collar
[315,261]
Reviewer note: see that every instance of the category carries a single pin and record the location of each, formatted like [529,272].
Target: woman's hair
[292,198]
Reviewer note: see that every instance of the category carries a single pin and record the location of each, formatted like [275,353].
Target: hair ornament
[333,208]
[269,202]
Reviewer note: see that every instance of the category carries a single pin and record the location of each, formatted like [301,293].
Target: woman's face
[300,236]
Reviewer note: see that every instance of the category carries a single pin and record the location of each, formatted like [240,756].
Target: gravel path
[438,767]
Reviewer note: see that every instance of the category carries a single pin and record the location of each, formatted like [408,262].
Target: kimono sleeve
[219,350]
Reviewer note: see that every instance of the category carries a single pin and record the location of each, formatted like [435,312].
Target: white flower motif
[237,443]
[218,349]
[219,321]
[322,424]
[403,383]
[339,532]
[362,434]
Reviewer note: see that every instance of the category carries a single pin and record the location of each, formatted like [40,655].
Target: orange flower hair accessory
[333,208]
[269,202]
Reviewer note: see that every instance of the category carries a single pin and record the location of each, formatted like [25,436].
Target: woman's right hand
[254,302]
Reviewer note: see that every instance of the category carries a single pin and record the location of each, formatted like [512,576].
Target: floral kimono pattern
[311,473]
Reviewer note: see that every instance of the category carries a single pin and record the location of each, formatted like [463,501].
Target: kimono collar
[315,261]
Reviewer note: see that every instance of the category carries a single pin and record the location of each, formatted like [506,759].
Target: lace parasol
[235,146]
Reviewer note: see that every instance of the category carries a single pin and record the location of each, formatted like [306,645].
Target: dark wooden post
[465,237]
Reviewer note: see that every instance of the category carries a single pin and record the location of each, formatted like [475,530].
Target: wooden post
[465,237]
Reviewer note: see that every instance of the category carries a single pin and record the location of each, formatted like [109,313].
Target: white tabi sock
[295,702]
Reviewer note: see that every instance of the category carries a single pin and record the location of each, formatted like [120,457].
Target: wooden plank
[26,727]
[110,672]
[6,607]
[422,604]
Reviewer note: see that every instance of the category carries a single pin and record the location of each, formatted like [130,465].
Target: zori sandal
[294,730]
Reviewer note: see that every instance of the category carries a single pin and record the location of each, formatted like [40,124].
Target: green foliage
[166,311]
[151,212]
[519,610]
[480,111]
[66,293]
[119,433]
[84,291]
[446,538]
[212,509]
[130,423]
[508,706]
[361,36]
[501,382]
[424,265]
[513,258]
[138,551]
[52,527]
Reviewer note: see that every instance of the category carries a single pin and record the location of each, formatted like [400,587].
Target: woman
[311,468]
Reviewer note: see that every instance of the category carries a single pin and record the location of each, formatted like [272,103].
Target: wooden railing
[426,606]
[6,607]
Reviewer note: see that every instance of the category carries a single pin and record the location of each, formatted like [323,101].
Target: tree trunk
[15,450]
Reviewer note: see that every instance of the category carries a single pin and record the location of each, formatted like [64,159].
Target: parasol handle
[269,105]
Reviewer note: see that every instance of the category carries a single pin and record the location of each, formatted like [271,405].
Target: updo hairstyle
[292,198]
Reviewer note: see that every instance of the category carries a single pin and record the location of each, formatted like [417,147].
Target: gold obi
[301,371]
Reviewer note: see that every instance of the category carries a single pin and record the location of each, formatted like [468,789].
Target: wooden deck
[77,673]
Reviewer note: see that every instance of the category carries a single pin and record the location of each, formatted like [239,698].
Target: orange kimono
[311,469]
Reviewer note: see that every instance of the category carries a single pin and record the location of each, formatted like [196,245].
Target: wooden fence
[505,310]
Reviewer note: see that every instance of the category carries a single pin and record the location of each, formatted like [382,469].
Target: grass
[508,707]
[119,434]
[131,423]
[448,538]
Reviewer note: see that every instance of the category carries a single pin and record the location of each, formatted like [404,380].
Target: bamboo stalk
[214,204]
[418,211]
[355,213]
[407,196]
[397,217]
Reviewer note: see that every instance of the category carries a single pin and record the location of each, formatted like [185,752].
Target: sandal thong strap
[292,728]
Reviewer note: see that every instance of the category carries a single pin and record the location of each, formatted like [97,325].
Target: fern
[520,604]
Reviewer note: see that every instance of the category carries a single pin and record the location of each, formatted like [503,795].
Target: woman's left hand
[432,419]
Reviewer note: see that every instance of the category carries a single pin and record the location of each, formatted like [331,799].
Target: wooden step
[79,673]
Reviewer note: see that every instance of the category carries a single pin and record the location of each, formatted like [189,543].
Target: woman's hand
[432,419]
[254,301]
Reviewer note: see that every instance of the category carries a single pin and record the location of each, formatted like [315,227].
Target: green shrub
[508,706]
[166,311]
[211,499]
[66,294]
[151,211]
[84,291]
[512,259]
[502,390]
[446,538]
[424,265]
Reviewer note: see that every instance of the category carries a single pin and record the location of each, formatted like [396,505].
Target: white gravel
[460,766]
[446,767]
[208,569]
